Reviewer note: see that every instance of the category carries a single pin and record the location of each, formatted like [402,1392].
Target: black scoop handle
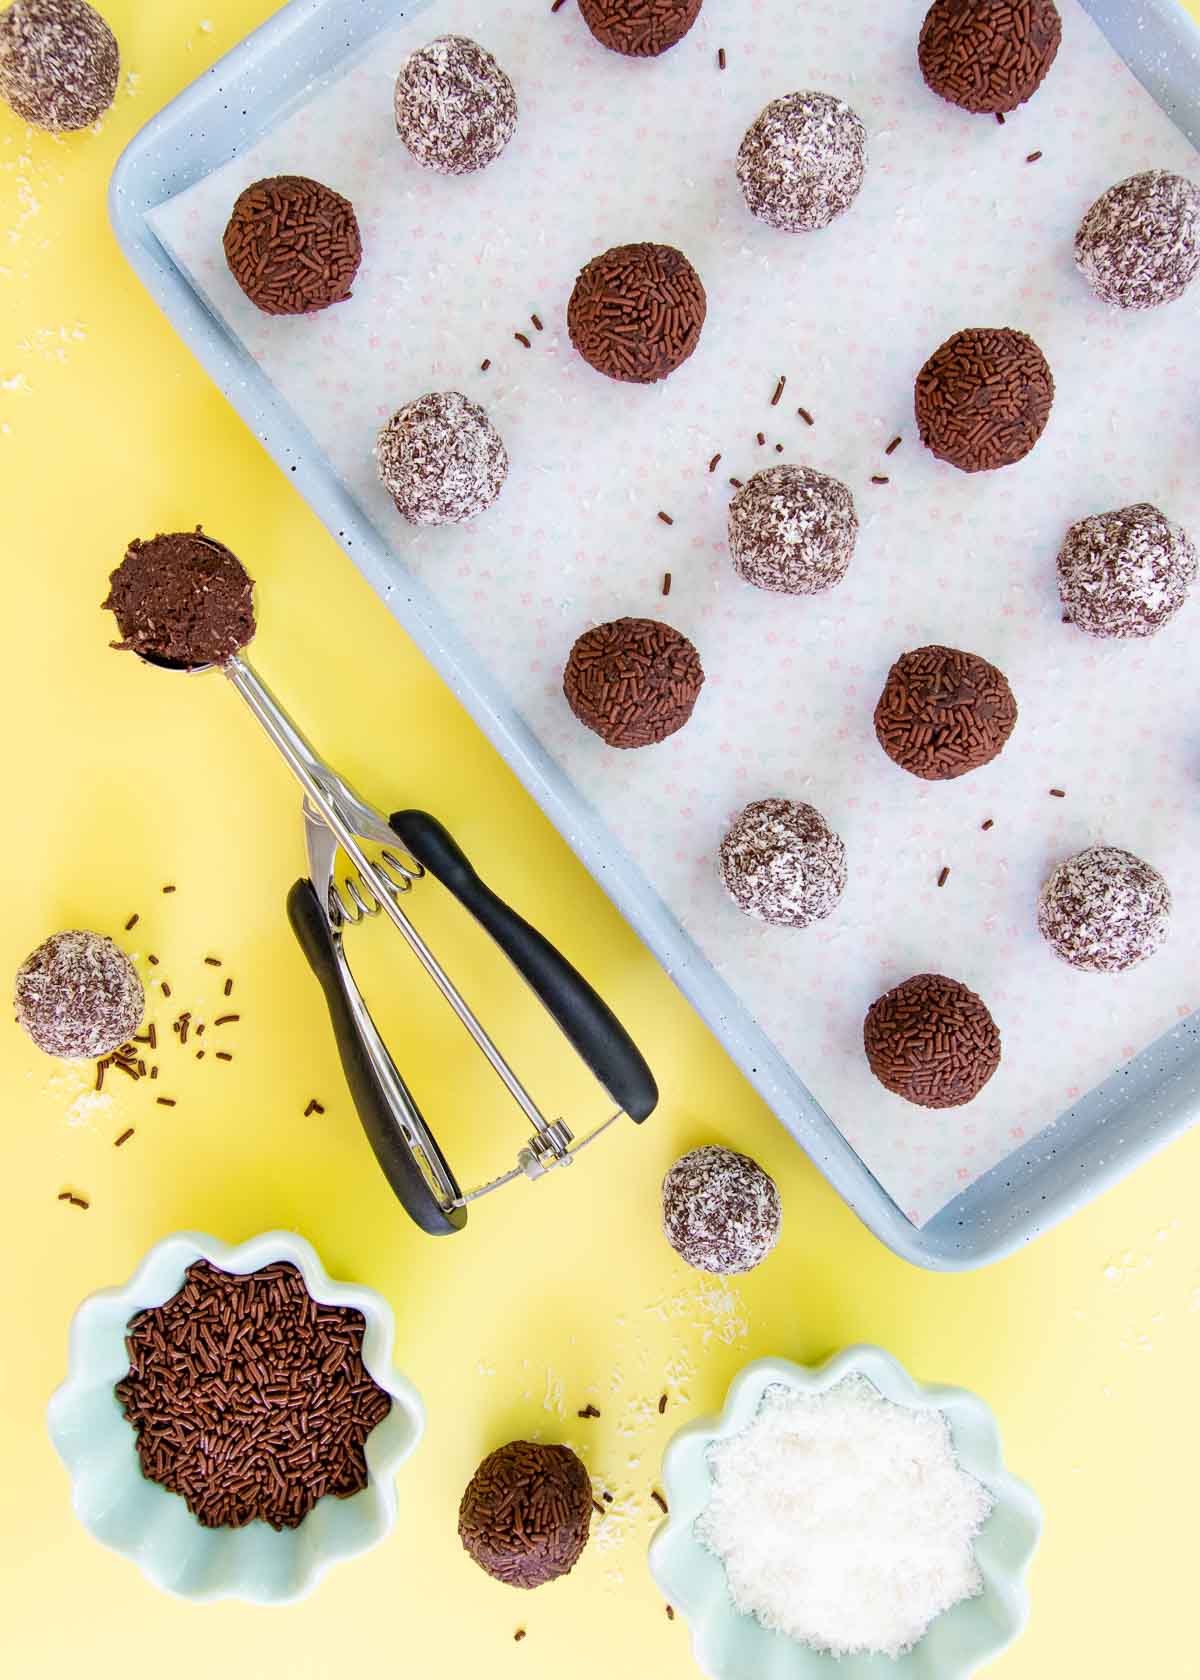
[584,1017]
[375,1110]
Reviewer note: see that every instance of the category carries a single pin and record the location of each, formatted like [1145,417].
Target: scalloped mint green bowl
[141,1520]
[730,1646]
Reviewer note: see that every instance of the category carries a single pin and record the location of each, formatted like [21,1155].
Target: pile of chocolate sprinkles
[943,713]
[988,55]
[639,28]
[293,245]
[983,398]
[932,1041]
[634,681]
[248,1398]
[636,312]
[526,1512]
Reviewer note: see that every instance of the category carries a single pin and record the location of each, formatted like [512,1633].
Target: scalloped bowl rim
[677,1558]
[99,1324]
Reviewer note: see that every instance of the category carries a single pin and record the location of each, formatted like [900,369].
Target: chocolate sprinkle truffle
[721,1211]
[983,398]
[801,162]
[441,459]
[634,681]
[79,996]
[59,63]
[293,245]
[636,312]
[1125,573]
[792,530]
[1139,244]
[782,863]
[526,1513]
[943,713]
[182,600]
[988,55]
[640,28]
[456,110]
[932,1042]
[1104,910]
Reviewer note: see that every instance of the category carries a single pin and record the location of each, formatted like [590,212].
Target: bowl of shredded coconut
[844,1520]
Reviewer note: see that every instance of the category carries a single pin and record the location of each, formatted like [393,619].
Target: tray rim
[975,1228]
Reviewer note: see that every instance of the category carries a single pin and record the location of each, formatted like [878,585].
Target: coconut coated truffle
[943,713]
[59,63]
[182,599]
[1104,910]
[293,245]
[983,398]
[525,1515]
[932,1041]
[782,863]
[639,28]
[456,110]
[1139,244]
[792,530]
[636,312]
[633,681]
[441,459]
[801,162]
[79,996]
[988,55]
[1125,573]
[721,1211]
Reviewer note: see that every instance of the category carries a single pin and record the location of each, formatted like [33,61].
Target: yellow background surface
[119,780]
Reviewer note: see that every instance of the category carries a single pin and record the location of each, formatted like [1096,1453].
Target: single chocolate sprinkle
[228,986]
[520,1633]
[778,392]
[154,1072]
[141,1068]
[558,5]
[988,824]
[666,583]
[200,1055]
[64,1195]
[878,478]
[943,877]
[124,1137]
[666,518]
[662,1404]
[100,1067]
[169,889]
[714,463]
[659,1500]
[636,312]
[485,364]
[606,1496]
[720,58]
[199,1030]
[589,1411]
[125,1067]
[224,1020]
[132,922]
[224,1056]
[736,482]
[79,1202]
[164,1102]
[760,438]
[806,417]
[537,322]
[779,449]
[1000,118]
[1033,157]
[152,960]
[893,446]
[596,1506]
[521,339]
[1057,793]
[312,1107]
[213,962]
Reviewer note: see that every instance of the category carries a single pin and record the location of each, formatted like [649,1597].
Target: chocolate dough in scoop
[183,599]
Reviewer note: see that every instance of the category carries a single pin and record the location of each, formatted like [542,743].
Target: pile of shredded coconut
[843,1520]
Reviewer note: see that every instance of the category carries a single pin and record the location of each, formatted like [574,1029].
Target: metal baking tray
[1091,1145]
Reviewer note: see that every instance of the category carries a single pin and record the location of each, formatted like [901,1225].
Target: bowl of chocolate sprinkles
[231,1421]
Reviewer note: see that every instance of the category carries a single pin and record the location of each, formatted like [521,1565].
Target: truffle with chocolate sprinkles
[1125,573]
[78,996]
[182,599]
[932,1041]
[983,398]
[721,1211]
[1139,244]
[293,245]
[1104,910]
[525,1515]
[59,63]
[639,28]
[441,459]
[988,56]
[248,1398]
[456,110]
[633,681]
[636,312]
[802,160]
[782,863]
[943,713]
[792,530]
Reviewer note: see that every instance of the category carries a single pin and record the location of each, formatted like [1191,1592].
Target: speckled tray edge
[1089,1147]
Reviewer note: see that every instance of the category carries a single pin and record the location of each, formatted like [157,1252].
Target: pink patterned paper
[953,228]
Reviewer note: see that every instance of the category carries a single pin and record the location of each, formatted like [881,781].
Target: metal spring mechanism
[359,895]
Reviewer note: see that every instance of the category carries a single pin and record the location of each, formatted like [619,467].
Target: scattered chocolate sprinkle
[806,417]
[200,1055]
[169,889]
[314,1107]
[228,987]
[537,322]
[879,478]
[779,449]
[520,1633]
[164,1102]
[943,877]
[1057,793]
[589,1411]
[132,922]
[1000,118]
[893,446]
[224,1056]
[153,961]
[596,1506]
[606,1496]
[670,1613]
[662,1404]
[636,312]
[213,962]
[485,364]
[100,1067]
[521,339]
[224,1020]
[558,5]
[124,1137]
[659,1500]
[141,1067]
[720,58]
[736,482]
[714,463]
[778,392]
[154,1073]
[666,583]
[79,1202]
[988,824]
[64,1195]
[125,1067]
[760,438]
[1033,157]
[666,518]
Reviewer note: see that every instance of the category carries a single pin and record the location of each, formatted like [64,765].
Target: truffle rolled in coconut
[782,863]
[1104,910]
[802,161]
[1125,573]
[78,996]
[721,1211]
[441,459]
[792,530]
[59,63]
[456,110]
[1139,244]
